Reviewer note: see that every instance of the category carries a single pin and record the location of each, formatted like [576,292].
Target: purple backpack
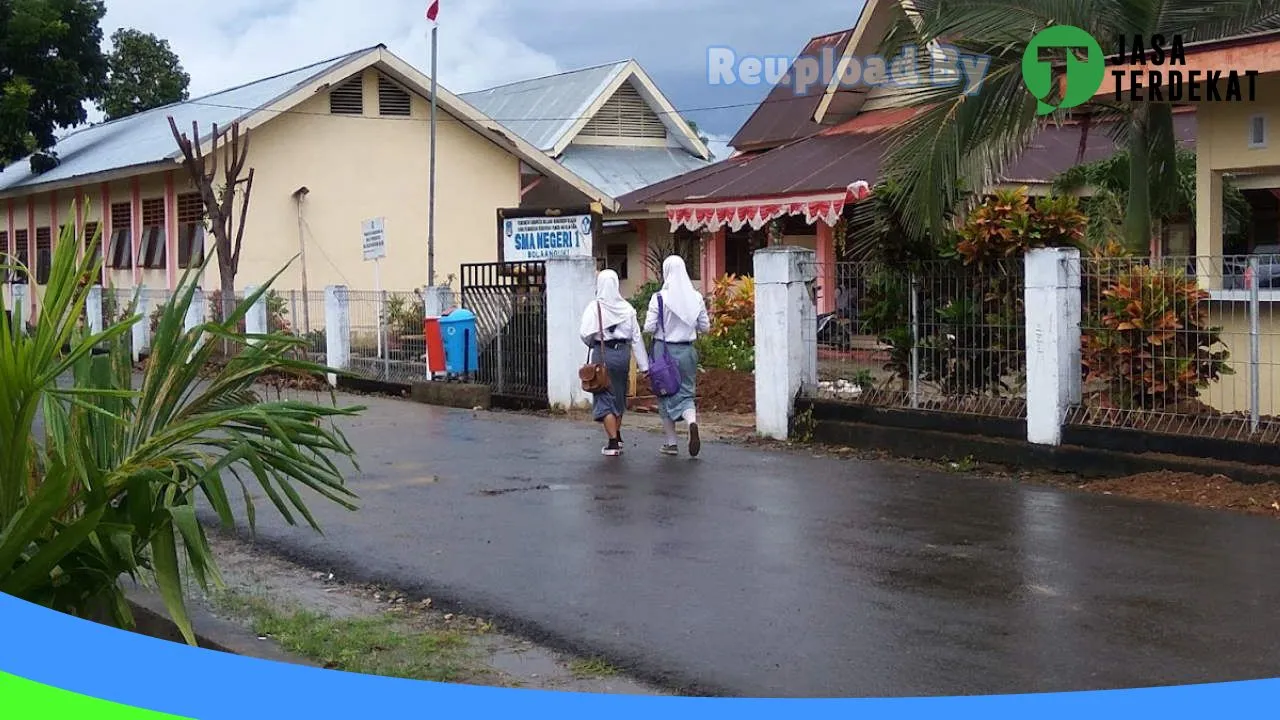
[664,374]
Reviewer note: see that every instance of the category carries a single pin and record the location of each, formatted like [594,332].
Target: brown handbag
[595,376]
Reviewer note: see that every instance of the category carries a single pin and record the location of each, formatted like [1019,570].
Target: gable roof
[543,109]
[550,111]
[786,115]
[145,138]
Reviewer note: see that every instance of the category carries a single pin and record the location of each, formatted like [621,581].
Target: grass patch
[592,668]
[379,645]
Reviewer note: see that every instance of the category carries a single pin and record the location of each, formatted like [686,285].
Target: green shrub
[734,349]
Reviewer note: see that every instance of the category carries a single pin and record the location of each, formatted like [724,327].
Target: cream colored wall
[1222,144]
[1231,393]
[358,168]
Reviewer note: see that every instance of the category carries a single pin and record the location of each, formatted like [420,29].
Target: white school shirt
[678,331]
[627,330]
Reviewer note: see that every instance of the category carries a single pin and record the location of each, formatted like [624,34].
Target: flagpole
[431,207]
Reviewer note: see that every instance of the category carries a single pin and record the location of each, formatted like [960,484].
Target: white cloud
[719,145]
[223,43]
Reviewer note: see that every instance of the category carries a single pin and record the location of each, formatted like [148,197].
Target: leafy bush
[106,483]
[733,305]
[1008,224]
[643,296]
[1150,342]
[733,349]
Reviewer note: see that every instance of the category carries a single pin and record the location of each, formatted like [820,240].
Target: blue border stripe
[102,662]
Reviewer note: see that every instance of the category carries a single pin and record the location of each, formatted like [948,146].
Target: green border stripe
[22,699]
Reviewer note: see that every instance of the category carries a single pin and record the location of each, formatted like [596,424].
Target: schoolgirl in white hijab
[683,318]
[613,316]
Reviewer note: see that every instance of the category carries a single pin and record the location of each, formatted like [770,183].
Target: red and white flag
[433,9]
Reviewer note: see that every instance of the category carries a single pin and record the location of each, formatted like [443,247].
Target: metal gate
[509,301]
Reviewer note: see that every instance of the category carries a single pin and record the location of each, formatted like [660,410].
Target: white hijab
[677,291]
[613,308]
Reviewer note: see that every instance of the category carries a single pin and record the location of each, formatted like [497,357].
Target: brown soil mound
[1211,491]
[727,391]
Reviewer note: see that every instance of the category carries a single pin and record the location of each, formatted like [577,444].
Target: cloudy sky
[489,42]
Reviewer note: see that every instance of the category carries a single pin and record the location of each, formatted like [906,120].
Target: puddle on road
[508,491]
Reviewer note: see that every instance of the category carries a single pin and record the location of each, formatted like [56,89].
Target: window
[688,245]
[21,253]
[44,255]
[615,259]
[190,230]
[348,98]
[1258,131]
[91,241]
[5,257]
[151,253]
[121,241]
[392,100]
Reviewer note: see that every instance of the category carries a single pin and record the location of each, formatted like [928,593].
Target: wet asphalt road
[769,574]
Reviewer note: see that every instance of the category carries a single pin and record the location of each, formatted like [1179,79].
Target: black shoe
[619,439]
[695,443]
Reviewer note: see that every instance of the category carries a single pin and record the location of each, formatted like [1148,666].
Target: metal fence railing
[940,336]
[1183,345]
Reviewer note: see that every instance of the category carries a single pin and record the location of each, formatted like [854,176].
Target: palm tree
[100,474]
[958,145]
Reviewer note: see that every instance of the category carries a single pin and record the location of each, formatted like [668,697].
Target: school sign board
[375,238]
[529,235]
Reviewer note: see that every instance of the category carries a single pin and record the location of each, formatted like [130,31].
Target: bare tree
[220,197]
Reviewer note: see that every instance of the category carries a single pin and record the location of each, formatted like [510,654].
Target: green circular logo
[1084,77]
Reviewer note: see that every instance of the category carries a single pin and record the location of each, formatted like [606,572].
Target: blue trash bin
[458,331]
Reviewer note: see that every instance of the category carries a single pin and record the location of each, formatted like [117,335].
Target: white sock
[669,427]
[690,416]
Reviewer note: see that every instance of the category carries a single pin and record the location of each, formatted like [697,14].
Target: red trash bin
[435,345]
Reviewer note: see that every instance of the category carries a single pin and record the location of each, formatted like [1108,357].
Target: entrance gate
[509,301]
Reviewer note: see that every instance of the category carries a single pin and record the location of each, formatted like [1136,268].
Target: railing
[940,336]
[1183,345]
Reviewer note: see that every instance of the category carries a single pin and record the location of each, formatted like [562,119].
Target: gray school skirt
[617,360]
[686,357]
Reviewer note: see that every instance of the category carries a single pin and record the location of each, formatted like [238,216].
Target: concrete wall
[1231,393]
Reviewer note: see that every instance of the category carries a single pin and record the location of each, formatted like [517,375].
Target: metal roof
[1055,148]
[852,151]
[619,170]
[784,115]
[145,137]
[541,110]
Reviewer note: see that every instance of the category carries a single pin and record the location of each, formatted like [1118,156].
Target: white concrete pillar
[18,291]
[195,312]
[1053,341]
[571,284]
[337,329]
[93,309]
[786,334]
[255,320]
[142,328]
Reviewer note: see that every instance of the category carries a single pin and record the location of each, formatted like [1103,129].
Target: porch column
[54,233]
[170,231]
[31,254]
[826,268]
[1208,224]
[79,224]
[135,219]
[104,230]
[642,231]
[716,256]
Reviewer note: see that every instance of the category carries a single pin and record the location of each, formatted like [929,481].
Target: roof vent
[348,98]
[626,115]
[392,99]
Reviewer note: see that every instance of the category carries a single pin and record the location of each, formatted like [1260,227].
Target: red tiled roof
[784,115]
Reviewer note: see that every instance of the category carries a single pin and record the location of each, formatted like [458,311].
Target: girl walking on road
[612,319]
[683,318]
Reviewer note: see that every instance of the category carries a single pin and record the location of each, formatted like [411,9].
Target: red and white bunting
[736,214]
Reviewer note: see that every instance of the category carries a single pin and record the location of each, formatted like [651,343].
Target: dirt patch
[1209,491]
[725,391]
